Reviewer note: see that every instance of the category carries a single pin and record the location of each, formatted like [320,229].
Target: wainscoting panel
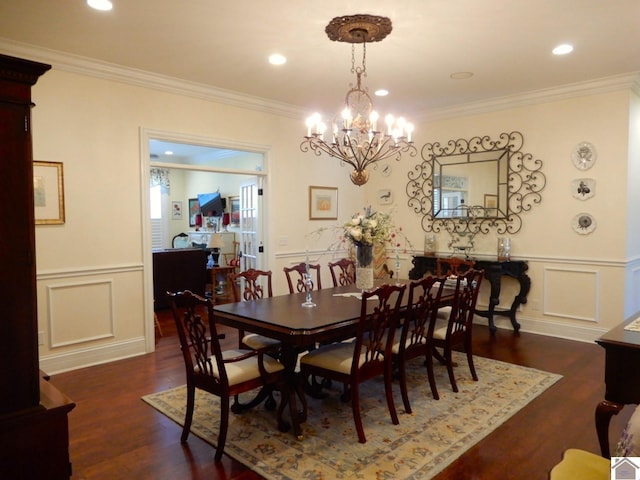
[572,293]
[91,301]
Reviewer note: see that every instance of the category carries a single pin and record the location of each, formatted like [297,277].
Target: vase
[364,267]
[504,249]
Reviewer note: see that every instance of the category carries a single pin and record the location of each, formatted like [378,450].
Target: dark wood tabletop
[284,318]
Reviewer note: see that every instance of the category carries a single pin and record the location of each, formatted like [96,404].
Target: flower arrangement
[368,228]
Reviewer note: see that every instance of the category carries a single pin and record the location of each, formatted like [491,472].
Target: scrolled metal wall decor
[471,186]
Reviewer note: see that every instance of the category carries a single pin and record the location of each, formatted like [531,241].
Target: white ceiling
[505,43]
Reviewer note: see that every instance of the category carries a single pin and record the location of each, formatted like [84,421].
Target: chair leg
[388,390]
[355,406]
[403,385]
[472,367]
[188,417]
[431,376]
[224,426]
[448,357]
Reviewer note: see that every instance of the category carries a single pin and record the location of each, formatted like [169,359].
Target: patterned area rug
[420,447]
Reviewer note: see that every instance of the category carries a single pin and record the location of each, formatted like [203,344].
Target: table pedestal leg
[292,390]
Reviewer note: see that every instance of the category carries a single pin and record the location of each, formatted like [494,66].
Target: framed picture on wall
[176,210]
[48,193]
[194,209]
[323,203]
[234,209]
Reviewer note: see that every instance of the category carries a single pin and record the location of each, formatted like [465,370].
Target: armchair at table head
[343,272]
[224,374]
[298,271]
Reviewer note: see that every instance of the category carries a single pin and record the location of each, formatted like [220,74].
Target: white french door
[251,232]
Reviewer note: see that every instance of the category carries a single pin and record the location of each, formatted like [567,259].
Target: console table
[621,378]
[494,270]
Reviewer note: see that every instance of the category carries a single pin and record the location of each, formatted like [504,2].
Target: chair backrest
[464,301]
[252,284]
[422,309]
[453,266]
[180,240]
[199,340]
[298,271]
[378,321]
[343,272]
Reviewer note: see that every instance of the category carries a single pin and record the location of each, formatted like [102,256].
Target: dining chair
[301,269]
[453,266]
[247,286]
[416,332]
[457,330]
[221,373]
[343,272]
[355,362]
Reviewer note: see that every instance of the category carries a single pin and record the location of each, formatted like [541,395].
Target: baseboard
[578,333]
[88,357]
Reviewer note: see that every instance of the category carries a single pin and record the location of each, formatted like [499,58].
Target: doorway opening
[186,168]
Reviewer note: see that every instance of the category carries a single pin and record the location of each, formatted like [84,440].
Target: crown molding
[95,68]
[628,81]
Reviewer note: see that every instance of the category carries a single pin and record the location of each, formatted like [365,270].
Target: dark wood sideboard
[494,270]
[34,432]
[621,378]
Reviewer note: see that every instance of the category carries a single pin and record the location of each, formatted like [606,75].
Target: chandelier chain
[362,70]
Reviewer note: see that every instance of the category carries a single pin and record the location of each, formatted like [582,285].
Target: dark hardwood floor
[115,435]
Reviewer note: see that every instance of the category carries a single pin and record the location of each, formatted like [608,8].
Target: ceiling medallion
[356,137]
[358,28]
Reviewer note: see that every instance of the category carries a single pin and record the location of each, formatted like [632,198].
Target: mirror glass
[471,185]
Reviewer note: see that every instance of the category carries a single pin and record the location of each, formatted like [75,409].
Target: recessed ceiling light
[382,92]
[103,5]
[563,49]
[277,59]
[461,75]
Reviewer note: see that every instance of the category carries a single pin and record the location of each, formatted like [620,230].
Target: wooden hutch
[34,438]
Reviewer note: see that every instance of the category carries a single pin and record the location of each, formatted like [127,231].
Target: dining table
[334,318]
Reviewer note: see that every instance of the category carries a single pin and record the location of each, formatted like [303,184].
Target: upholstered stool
[581,465]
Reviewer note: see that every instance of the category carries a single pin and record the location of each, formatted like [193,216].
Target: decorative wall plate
[385,197]
[385,169]
[583,188]
[583,223]
[584,156]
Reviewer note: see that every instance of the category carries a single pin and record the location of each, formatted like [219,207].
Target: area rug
[422,445]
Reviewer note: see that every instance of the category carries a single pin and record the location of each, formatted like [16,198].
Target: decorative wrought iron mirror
[471,186]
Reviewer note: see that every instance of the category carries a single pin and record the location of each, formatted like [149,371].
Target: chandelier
[358,136]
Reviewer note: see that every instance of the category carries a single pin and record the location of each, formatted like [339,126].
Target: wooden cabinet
[178,269]
[33,414]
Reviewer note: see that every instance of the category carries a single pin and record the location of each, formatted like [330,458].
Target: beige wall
[93,271]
